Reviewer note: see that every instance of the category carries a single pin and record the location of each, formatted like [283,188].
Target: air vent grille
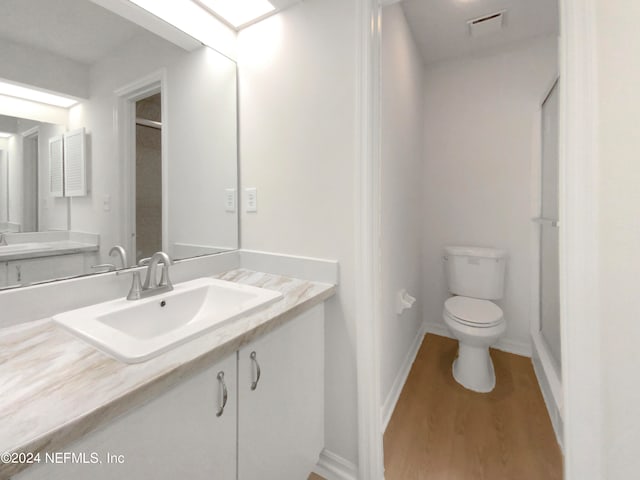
[487,24]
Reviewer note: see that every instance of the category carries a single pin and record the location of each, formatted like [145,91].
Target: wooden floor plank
[441,431]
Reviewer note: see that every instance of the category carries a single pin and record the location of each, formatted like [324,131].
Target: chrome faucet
[122,253]
[151,285]
[3,239]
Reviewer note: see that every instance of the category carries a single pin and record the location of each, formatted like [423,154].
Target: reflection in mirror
[139,149]
[148,237]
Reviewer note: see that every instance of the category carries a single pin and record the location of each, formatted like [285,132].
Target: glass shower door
[549,225]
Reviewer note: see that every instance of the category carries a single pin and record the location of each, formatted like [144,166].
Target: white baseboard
[554,413]
[514,346]
[401,378]
[505,344]
[547,382]
[334,467]
[437,329]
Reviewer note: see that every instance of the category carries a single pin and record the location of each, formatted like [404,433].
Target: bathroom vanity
[40,256]
[243,401]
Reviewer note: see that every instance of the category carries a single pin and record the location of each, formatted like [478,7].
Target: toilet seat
[473,312]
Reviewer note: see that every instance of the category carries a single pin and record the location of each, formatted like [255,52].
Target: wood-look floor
[441,431]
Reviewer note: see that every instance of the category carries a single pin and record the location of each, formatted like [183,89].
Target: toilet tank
[475,271]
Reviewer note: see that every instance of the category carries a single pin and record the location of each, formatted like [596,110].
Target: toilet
[475,276]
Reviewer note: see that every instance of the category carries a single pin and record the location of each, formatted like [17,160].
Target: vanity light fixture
[239,12]
[5,135]
[26,93]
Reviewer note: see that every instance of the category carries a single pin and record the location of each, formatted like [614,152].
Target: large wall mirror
[134,143]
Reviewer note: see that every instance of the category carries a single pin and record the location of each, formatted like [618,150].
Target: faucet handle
[135,292]
[164,277]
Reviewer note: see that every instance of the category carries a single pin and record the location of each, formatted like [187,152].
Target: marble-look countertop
[48,249]
[54,388]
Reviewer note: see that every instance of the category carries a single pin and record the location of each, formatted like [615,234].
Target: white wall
[297,77]
[14,159]
[402,158]
[203,150]
[145,54]
[195,196]
[19,108]
[52,212]
[31,66]
[481,115]
[4,183]
[618,196]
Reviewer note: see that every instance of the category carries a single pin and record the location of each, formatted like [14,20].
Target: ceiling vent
[487,24]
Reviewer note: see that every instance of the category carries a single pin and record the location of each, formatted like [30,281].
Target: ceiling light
[239,12]
[185,15]
[5,135]
[34,95]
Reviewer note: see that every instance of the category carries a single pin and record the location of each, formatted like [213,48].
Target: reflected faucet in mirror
[120,252]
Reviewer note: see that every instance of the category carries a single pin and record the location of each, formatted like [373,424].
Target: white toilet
[475,276]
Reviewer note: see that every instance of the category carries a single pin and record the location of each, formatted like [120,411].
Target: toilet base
[473,369]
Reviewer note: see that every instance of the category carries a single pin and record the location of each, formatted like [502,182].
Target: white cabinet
[272,427]
[281,422]
[177,435]
[24,272]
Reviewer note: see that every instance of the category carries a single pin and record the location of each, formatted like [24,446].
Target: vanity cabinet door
[281,408]
[3,275]
[24,272]
[175,436]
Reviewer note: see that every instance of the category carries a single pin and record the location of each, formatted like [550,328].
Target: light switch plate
[106,203]
[230,199]
[251,195]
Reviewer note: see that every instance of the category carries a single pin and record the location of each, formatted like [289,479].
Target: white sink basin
[23,247]
[137,330]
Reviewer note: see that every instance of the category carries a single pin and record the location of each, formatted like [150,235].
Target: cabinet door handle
[224,394]
[254,384]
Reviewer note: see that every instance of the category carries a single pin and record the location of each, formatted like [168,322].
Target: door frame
[579,308]
[125,115]
[29,136]
[367,220]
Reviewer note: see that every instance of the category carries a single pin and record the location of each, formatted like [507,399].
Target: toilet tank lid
[481,252]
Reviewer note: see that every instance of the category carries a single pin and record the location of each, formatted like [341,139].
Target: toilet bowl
[476,324]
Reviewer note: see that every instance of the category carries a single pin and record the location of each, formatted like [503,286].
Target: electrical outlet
[251,195]
[230,199]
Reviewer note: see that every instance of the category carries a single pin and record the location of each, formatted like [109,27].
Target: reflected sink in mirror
[135,331]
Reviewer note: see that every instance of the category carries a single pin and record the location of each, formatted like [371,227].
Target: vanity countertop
[47,249]
[56,388]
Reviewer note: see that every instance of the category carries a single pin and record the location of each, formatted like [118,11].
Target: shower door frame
[549,378]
